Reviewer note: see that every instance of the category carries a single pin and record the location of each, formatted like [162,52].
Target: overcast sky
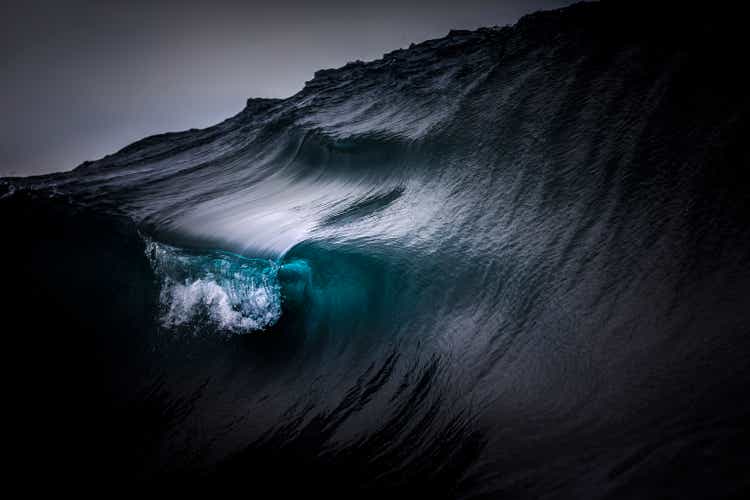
[80,79]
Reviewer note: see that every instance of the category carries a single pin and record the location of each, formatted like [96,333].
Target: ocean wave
[536,235]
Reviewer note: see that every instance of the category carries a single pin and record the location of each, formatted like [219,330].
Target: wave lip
[229,292]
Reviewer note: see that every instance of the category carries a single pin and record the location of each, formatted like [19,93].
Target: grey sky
[80,79]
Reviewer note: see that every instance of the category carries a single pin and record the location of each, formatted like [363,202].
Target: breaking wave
[511,262]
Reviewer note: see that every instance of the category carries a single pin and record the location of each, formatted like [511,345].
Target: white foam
[182,302]
[231,297]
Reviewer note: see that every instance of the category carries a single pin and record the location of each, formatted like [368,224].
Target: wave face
[508,262]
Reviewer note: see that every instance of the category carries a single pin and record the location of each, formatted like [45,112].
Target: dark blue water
[505,263]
